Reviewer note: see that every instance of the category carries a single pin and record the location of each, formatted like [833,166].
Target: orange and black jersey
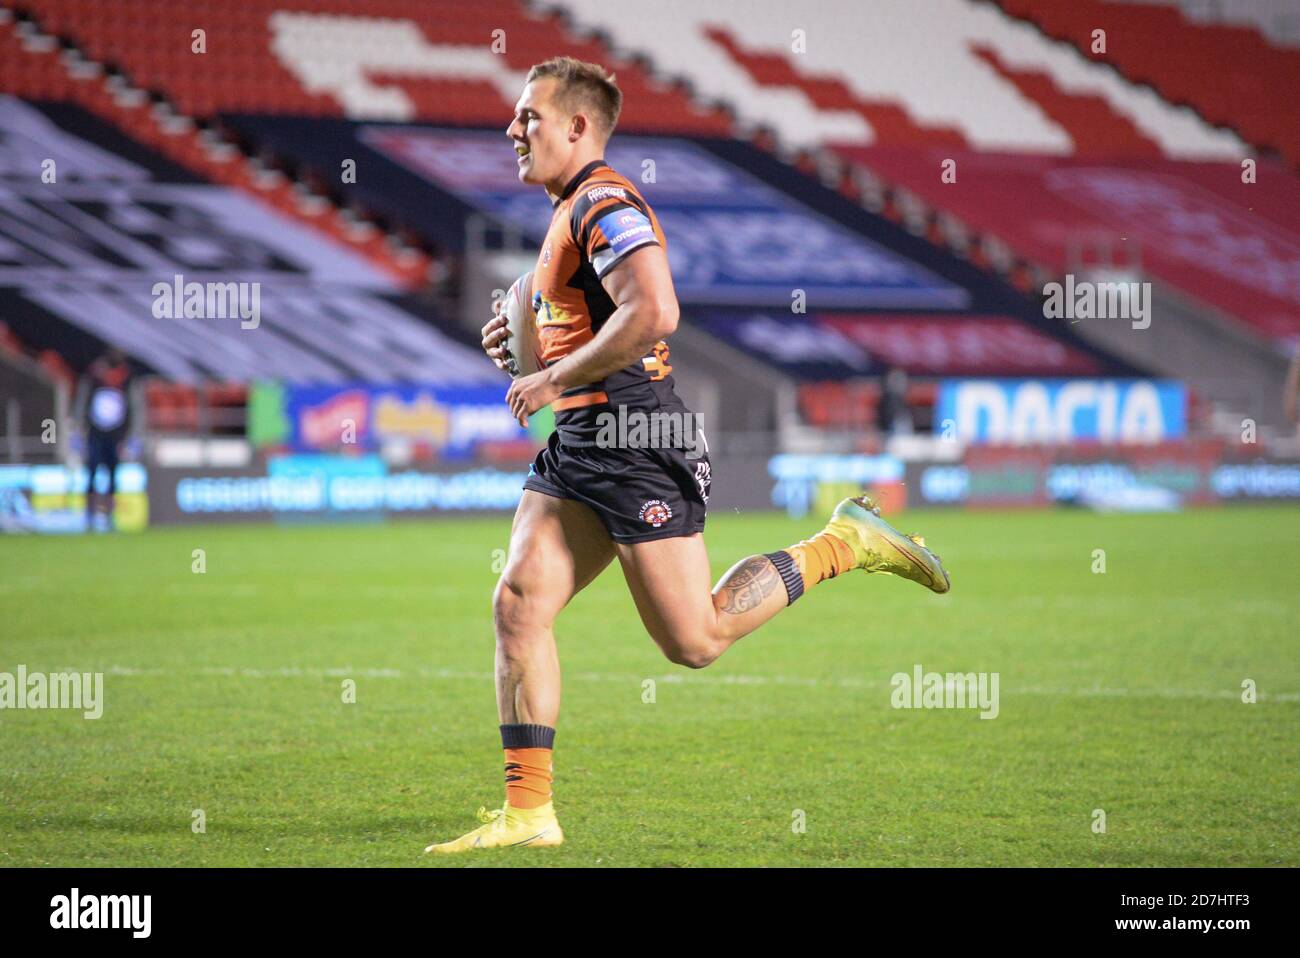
[600,219]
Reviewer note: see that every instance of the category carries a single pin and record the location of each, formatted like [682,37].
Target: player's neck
[555,188]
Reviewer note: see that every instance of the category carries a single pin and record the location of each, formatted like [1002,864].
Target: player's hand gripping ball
[522,348]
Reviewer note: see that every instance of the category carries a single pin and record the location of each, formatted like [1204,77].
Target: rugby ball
[523,347]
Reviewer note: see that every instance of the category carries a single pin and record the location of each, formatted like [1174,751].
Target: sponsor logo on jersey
[604,192]
[655,512]
[622,238]
[549,313]
[546,255]
[626,229]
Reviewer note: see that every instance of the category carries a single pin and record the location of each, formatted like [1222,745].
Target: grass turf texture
[1119,691]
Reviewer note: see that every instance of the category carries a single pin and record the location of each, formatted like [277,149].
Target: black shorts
[638,494]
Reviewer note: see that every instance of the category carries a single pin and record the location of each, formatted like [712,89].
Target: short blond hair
[583,85]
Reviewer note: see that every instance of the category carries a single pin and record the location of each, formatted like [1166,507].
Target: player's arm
[641,287]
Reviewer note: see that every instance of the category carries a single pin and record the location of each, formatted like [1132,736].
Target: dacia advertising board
[1023,412]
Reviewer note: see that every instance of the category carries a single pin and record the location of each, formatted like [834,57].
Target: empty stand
[372,59]
[820,75]
[876,96]
[1250,88]
[33,64]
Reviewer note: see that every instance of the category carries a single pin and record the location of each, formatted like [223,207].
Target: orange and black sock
[804,564]
[528,764]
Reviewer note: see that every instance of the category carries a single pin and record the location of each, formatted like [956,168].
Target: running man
[605,304]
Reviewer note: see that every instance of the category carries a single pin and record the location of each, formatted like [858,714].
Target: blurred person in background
[894,416]
[105,412]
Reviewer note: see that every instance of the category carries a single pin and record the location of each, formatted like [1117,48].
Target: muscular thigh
[669,581]
[557,547]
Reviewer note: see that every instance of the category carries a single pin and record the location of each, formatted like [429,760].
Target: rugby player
[604,300]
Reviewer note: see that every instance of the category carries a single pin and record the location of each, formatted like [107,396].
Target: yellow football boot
[879,547]
[506,828]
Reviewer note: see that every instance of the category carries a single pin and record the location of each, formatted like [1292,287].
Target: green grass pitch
[1119,691]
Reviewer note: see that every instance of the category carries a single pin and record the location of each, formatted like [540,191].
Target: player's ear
[577,126]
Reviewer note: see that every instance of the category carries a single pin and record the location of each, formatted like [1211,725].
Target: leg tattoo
[748,585]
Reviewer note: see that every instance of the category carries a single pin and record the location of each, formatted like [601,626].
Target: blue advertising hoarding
[799,479]
[731,237]
[328,486]
[1019,412]
[51,498]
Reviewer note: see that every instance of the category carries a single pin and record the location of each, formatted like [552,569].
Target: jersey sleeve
[609,222]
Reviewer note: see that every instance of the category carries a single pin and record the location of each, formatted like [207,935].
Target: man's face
[540,131]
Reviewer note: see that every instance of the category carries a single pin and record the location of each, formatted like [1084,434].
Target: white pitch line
[344,672]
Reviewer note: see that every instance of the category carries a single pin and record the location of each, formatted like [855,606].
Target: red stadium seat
[1250,88]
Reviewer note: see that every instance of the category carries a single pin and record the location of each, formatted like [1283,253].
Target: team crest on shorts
[655,512]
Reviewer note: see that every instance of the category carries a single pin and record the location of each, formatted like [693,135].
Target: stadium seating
[145,229]
[864,82]
[1017,112]
[1278,20]
[375,59]
[885,53]
[848,93]
[34,65]
[214,407]
[1251,88]
[1196,226]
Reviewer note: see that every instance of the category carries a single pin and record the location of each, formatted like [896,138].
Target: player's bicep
[643,283]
